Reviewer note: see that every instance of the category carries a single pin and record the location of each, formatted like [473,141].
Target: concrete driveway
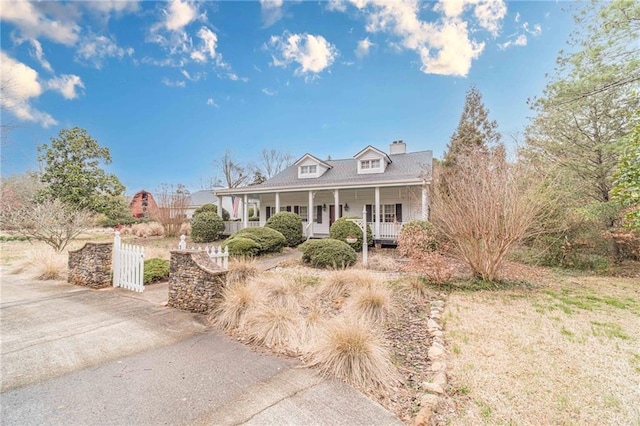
[74,356]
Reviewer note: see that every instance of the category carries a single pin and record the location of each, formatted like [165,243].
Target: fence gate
[128,265]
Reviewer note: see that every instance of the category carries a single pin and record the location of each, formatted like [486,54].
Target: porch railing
[388,230]
[231,227]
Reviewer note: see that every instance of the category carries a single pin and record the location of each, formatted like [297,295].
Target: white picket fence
[128,265]
[219,256]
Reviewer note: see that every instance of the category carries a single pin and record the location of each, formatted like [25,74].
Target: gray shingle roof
[404,167]
[200,198]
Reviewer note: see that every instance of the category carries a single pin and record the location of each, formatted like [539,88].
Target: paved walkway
[74,356]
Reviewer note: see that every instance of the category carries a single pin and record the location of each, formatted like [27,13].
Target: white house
[206,196]
[391,187]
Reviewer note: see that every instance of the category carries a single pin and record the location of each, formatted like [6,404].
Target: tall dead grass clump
[371,303]
[42,265]
[283,291]
[241,269]
[416,288]
[274,326]
[378,262]
[340,284]
[350,350]
[232,310]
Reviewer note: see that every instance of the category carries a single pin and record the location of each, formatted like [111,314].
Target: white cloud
[336,6]
[19,85]
[33,22]
[443,46]
[363,48]
[94,49]
[35,51]
[313,53]
[174,83]
[536,31]
[517,18]
[179,15]
[271,11]
[234,77]
[490,13]
[67,85]
[455,50]
[116,6]
[207,48]
[269,92]
[519,40]
[212,103]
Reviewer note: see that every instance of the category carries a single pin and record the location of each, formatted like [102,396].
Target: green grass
[608,329]
[567,301]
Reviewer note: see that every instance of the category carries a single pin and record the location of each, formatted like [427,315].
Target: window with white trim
[303,213]
[370,164]
[389,213]
[308,170]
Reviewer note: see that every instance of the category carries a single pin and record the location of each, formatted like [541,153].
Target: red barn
[142,204]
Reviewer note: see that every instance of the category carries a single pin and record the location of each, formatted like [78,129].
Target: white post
[220,206]
[425,203]
[116,259]
[277,204]
[365,247]
[336,204]
[376,235]
[245,210]
[310,214]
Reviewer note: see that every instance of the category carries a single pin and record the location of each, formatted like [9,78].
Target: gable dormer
[371,160]
[310,167]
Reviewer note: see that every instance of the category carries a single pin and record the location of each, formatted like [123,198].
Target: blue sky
[169,86]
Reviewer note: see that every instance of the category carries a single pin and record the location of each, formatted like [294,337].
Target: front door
[332,214]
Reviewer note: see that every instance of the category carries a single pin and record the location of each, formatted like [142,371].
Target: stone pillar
[91,265]
[195,281]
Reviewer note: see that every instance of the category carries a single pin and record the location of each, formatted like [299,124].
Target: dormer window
[308,170]
[369,164]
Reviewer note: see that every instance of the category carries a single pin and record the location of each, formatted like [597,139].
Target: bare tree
[172,204]
[273,162]
[52,222]
[489,206]
[234,173]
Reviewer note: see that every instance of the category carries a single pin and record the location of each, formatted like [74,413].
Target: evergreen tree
[73,175]
[475,131]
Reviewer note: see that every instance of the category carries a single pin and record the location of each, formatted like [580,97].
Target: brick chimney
[397,147]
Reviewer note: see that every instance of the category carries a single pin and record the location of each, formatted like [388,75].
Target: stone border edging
[434,389]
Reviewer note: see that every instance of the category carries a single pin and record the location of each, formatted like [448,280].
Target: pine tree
[475,131]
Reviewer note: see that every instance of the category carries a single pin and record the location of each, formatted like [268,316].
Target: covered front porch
[386,208]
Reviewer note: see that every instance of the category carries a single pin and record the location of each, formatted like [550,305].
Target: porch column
[425,203]
[336,204]
[277,203]
[376,233]
[245,210]
[310,214]
[220,206]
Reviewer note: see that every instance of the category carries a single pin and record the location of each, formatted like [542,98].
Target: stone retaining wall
[90,266]
[195,281]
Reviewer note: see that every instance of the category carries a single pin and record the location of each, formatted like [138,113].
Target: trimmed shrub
[289,225]
[344,228]
[417,237]
[269,240]
[211,208]
[206,227]
[155,270]
[328,253]
[239,246]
